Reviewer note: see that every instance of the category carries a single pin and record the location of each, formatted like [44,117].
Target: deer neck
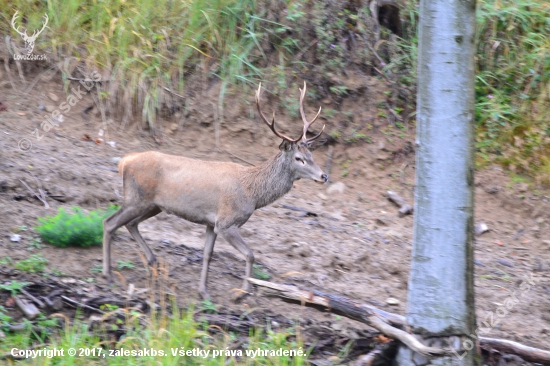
[270,181]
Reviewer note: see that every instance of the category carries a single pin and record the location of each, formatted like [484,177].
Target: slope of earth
[349,241]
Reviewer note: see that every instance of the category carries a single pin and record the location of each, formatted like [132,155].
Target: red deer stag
[220,195]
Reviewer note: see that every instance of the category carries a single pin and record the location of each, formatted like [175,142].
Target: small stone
[15,238]
[337,187]
[50,108]
[326,101]
[116,159]
[322,196]
[53,97]
[173,126]
[392,301]
[382,220]
[505,263]
[481,228]
[478,263]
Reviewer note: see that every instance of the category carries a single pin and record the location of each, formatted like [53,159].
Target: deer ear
[285,145]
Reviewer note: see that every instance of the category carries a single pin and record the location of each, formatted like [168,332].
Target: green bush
[74,228]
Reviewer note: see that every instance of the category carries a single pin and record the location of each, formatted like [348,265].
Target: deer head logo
[29,40]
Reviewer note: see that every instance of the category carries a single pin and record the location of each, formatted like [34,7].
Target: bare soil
[351,243]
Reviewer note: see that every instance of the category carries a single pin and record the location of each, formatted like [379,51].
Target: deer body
[220,195]
[226,189]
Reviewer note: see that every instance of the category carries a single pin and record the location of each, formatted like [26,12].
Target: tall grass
[513,85]
[512,82]
[143,46]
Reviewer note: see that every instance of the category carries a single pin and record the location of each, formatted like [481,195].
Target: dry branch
[376,319]
[527,353]
[404,207]
[391,324]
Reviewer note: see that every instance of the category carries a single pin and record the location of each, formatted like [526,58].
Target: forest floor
[349,242]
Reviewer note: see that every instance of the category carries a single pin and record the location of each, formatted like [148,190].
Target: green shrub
[34,264]
[74,228]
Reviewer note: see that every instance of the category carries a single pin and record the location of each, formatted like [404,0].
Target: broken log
[390,324]
[404,207]
[27,307]
[353,310]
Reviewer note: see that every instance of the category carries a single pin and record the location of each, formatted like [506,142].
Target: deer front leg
[234,238]
[208,249]
[123,216]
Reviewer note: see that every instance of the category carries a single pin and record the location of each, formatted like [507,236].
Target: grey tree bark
[441,292]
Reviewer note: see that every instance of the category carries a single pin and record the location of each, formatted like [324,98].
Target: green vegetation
[259,273]
[512,94]
[168,335]
[74,228]
[124,264]
[34,264]
[145,47]
[14,287]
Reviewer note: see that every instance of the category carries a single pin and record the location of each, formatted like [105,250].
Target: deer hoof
[152,261]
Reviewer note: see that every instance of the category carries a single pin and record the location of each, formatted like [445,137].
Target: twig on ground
[79,304]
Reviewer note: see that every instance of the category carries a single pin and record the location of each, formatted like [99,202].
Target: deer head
[297,151]
[29,40]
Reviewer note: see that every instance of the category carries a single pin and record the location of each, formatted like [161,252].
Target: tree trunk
[441,293]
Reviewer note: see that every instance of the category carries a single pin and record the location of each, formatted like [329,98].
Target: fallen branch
[41,196]
[81,305]
[32,298]
[391,324]
[376,319]
[404,207]
[527,353]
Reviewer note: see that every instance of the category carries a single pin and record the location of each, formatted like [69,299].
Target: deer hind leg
[132,227]
[234,238]
[123,216]
[208,249]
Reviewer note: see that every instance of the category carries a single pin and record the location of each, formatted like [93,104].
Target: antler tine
[15,27]
[37,32]
[272,124]
[303,114]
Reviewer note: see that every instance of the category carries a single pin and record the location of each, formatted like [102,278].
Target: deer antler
[306,123]
[36,33]
[23,34]
[272,123]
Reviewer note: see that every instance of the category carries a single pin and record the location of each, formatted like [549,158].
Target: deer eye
[299,159]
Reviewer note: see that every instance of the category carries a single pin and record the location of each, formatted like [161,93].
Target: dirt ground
[350,243]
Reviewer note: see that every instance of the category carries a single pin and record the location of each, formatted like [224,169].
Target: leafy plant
[5,319]
[34,264]
[74,228]
[208,306]
[259,273]
[97,268]
[124,264]
[6,261]
[36,243]
[14,287]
